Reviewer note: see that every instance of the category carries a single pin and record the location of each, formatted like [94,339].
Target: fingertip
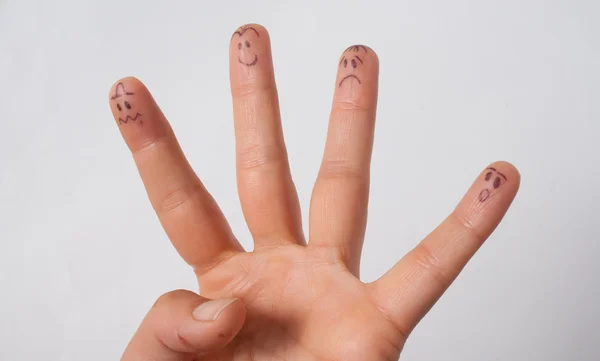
[230,321]
[131,103]
[249,39]
[362,50]
[130,83]
[212,310]
[236,309]
[250,60]
[490,196]
[357,79]
[256,29]
[206,334]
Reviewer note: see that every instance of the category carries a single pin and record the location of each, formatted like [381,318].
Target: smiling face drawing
[124,107]
[496,178]
[246,55]
[352,60]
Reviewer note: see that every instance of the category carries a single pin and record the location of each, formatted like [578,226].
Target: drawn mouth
[348,77]
[128,118]
[249,64]
[484,195]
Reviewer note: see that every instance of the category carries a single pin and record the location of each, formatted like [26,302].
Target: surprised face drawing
[496,178]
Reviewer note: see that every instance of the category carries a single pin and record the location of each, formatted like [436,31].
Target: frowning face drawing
[351,60]
[246,54]
[126,112]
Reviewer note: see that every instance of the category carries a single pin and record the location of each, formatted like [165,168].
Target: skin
[294,297]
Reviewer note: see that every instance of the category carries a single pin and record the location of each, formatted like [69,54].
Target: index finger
[418,280]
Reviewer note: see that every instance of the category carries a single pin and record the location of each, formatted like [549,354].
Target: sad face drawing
[350,62]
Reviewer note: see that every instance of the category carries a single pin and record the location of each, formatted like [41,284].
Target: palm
[304,301]
[301,307]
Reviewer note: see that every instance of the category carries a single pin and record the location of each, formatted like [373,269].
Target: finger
[182,325]
[188,213]
[416,282]
[267,192]
[338,210]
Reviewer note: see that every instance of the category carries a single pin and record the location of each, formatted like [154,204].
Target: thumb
[182,324]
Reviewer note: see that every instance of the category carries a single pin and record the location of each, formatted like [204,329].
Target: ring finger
[338,212]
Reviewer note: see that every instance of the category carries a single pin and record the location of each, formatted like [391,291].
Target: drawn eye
[127,105]
[353,63]
[345,63]
[239,45]
[247,44]
[488,176]
[496,182]
[119,106]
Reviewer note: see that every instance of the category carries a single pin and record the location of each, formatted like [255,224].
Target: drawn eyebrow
[495,170]
[341,60]
[356,48]
[120,91]
[243,30]
[359,59]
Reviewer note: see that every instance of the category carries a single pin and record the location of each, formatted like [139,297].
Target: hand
[303,301]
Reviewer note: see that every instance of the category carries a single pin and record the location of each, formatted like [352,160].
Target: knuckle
[343,169]
[467,227]
[150,145]
[259,155]
[350,105]
[251,88]
[428,262]
[382,303]
[174,199]
[167,333]
[170,297]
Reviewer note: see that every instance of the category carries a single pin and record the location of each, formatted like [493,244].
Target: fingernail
[209,311]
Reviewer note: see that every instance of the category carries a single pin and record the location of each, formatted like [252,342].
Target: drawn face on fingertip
[246,54]
[352,59]
[126,112]
[494,179]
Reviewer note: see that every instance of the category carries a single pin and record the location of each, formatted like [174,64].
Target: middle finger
[267,192]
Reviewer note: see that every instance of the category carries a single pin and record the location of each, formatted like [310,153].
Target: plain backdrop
[462,83]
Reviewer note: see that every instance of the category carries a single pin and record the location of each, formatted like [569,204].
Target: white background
[462,84]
